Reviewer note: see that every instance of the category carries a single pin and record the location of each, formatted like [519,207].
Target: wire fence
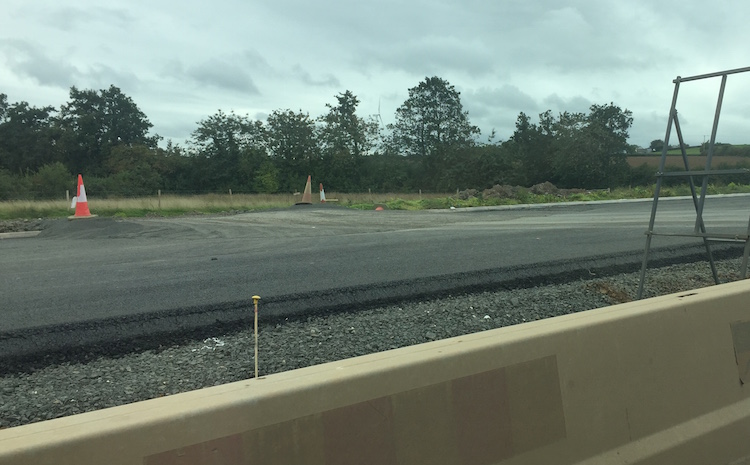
[108,193]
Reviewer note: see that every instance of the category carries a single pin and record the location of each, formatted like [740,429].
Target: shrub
[13,187]
[51,181]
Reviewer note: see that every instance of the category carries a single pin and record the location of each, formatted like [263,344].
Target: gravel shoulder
[90,382]
[14,226]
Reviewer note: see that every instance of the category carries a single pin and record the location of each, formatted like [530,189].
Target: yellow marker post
[256,298]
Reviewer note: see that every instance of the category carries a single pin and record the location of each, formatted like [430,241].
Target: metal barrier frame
[698,200]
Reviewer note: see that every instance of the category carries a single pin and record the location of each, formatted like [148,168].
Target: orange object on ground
[80,202]
[307,195]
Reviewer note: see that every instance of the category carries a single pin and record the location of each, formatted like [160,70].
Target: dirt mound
[515,192]
[501,192]
[544,188]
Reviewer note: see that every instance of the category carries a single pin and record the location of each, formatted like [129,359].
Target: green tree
[481,166]
[432,124]
[293,146]
[591,150]
[344,131]
[180,172]
[134,170]
[93,122]
[390,172]
[531,149]
[3,106]
[27,136]
[574,159]
[345,138]
[233,147]
[609,126]
[657,145]
[432,121]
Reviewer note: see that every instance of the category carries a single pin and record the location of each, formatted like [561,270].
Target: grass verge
[171,205]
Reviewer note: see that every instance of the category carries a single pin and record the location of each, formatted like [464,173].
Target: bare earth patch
[7,226]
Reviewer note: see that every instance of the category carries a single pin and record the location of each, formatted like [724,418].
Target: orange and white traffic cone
[322,194]
[80,202]
[307,195]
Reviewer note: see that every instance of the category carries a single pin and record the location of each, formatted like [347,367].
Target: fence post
[159,194]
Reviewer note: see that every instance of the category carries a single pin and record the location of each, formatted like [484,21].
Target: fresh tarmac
[98,280]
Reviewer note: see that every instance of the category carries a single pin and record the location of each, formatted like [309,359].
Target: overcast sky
[181,61]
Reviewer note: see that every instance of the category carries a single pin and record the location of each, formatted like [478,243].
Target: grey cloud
[328,80]
[27,60]
[432,55]
[233,73]
[497,108]
[507,97]
[223,75]
[102,76]
[648,126]
[575,104]
[479,37]
[172,68]
[573,37]
[176,131]
[377,23]
[256,62]
[72,19]
[574,52]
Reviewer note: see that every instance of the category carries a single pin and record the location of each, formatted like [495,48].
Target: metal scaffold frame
[699,230]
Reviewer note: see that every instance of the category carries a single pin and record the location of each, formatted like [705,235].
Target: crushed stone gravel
[9,226]
[93,382]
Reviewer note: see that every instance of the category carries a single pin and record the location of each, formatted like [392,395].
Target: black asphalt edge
[150,330]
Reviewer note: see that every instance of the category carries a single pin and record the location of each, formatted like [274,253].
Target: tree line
[431,146]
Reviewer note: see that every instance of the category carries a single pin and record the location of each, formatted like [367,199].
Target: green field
[688,151]
[719,149]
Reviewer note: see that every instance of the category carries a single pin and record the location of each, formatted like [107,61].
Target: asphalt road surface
[88,281]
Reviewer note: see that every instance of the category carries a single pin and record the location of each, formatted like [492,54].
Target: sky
[182,61]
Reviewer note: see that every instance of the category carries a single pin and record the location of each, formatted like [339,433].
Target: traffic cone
[322,194]
[307,195]
[80,202]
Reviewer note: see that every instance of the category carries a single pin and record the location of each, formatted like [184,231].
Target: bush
[51,181]
[267,179]
[6,184]
[429,204]
[470,202]
[138,181]
[13,187]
